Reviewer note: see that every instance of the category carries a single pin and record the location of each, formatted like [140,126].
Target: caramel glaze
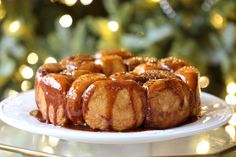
[176,87]
[172,64]
[121,52]
[114,86]
[43,71]
[157,74]
[128,76]
[111,64]
[132,62]
[74,95]
[190,76]
[55,80]
[72,62]
[146,67]
[38,115]
[144,77]
[74,73]
[55,87]
[81,62]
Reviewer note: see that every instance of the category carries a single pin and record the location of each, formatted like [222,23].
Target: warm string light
[204,81]
[65,21]
[217,20]
[230,99]
[203,147]
[32,58]
[86,2]
[50,60]
[113,26]
[231,96]
[231,88]
[70,2]
[232,120]
[14,26]
[230,131]
[26,72]
[25,85]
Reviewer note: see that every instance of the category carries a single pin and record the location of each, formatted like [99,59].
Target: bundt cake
[115,91]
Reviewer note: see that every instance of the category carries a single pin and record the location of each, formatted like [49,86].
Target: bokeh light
[32,58]
[113,26]
[230,99]
[14,26]
[50,60]
[232,120]
[230,131]
[26,85]
[231,88]
[26,72]
[86,2]
[203,147]
[204,81]
[217,20]
[66,20]
[70,2]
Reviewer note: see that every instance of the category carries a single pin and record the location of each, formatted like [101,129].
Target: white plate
[15,112]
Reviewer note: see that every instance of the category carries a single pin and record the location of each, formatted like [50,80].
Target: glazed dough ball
[168,103]
[114,105]
[52,90]
[74,96]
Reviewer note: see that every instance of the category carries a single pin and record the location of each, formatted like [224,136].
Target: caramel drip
[86,97]
[133,107]
[114,88]
[54,97]
[37,114]
[138,129]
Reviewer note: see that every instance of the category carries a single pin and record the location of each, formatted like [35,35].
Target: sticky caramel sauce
[37,114]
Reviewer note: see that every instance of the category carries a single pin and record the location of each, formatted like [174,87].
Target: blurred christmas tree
[202,32]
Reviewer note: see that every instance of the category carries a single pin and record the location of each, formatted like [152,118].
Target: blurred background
[33,32]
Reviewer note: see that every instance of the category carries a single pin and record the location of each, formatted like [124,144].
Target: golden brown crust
[73,62]
[157,74]
[128,76]
[114,105]
[190,76]
[132,62]
[172,63]
[167,103]
[121,52]
[74,95]
[146,67]
[163,92]
[111,64]
[81,62]
[74,73]
[52,93]
[43,71]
